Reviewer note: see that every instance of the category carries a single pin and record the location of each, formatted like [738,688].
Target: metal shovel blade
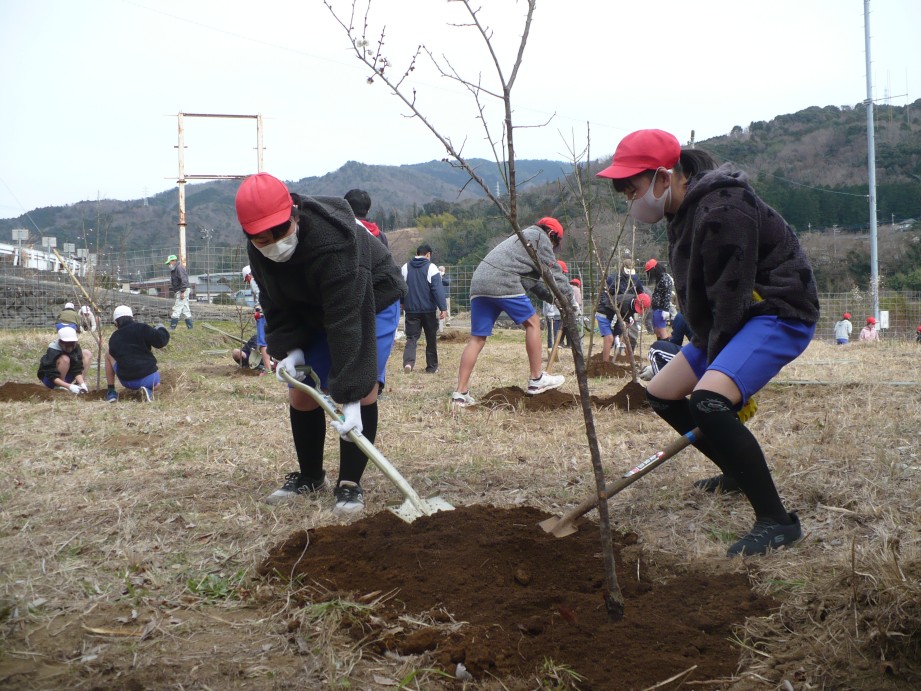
[566,525]
[414,506]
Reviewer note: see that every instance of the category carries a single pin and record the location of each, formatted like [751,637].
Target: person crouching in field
[748,294]
[130,356]
[500,283]
[331,294]
[843,329]
[869,332]
[255,342]
[63,364]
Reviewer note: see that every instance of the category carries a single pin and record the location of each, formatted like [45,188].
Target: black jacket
[130,347]
[339,277]
[47,368]
[733,258]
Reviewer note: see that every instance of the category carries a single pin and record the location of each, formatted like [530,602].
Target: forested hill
[810,165]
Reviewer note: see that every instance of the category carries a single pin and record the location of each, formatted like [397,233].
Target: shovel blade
[408,512]
[558,527]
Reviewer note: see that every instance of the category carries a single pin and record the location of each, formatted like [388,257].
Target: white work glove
[84,388]
[351,420]
[74,388]
[295,359]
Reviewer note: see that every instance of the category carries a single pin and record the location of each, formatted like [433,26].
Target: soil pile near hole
[14,391]
[524,596]
[631,397]
[620,367]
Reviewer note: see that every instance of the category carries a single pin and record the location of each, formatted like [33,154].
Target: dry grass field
[132,534]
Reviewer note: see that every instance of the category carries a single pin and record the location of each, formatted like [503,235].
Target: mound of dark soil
[631,397]
[620,367]
[525,598]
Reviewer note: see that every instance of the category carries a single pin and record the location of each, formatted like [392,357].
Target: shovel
[413,505]
[561,527]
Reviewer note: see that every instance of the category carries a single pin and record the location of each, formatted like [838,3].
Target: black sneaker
[296,484]
[349,497]
[719,483]
[431,370]
[765,535]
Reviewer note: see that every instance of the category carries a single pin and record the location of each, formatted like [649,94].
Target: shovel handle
[357,438]
[632,475]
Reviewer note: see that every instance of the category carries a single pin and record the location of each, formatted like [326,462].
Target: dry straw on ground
[131,533]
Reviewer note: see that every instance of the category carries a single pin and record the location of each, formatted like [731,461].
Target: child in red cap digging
[331,298]
[748,293]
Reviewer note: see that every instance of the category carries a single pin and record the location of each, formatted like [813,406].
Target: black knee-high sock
[678,415]
[739,453]
[308,427]
[352,460]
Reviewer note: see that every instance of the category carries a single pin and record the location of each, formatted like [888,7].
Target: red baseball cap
[563,266]
[552,224]
[640,151]
[871,320]
[847,315]
[577,282]
[262,202]
[641,303]
[650,264]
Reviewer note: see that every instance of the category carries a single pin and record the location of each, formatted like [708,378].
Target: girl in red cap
[869,332]
[843,329]
[331,298]
[749,296]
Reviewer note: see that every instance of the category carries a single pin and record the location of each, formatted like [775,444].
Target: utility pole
[871,168]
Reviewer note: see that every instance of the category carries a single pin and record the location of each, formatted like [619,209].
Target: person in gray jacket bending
[499,284]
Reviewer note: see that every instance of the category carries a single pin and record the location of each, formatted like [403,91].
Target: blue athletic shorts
[659,319]
[149,382]
[842,341]
[50,382]
[260,333]
[607,327]
[319,359]
[388,319]
[61,325]
[484,311]
[756,354]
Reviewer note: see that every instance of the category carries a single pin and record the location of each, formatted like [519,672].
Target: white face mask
[282,250]
[649,208]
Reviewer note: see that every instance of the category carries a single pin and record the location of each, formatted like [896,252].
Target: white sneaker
[462,400]
[545,382]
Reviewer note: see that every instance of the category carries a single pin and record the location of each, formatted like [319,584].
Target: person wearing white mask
[331,297]
[749,296]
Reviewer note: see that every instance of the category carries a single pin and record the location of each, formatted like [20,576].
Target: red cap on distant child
[650,264]
[262,202]
[552,225]
[563,266]
[640,151]
[641,303]
[847,315]
[577,282]
[871,320]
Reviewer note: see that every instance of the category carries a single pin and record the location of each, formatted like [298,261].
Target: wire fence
[33,293]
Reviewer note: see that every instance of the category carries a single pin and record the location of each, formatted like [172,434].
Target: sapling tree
[369,48]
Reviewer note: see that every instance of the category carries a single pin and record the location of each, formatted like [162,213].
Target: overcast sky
[90,91]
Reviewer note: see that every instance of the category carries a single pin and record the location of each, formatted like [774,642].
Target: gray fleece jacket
[507,271]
